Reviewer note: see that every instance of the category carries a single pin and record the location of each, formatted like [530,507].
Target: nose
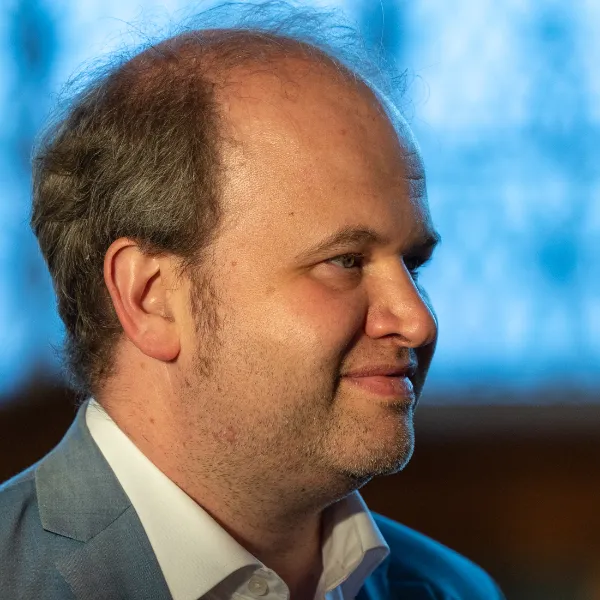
[399,307]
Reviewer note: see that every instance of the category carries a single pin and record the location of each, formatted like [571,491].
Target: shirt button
[258,586]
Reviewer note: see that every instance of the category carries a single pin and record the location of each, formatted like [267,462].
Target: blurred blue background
[505,102]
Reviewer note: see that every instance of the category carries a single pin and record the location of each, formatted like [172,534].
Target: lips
[397,386]
[387,370]
[385,379]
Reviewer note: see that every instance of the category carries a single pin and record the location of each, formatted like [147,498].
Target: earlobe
[139,292]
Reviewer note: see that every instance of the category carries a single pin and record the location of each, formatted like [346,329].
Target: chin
[380,465]
[379,444]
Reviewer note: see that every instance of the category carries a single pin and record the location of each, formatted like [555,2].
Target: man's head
[257,268]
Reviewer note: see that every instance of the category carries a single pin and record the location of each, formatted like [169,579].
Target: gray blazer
[68,531]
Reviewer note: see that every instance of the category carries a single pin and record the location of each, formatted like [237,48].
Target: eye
[414,264]
[348,261]
[353,261]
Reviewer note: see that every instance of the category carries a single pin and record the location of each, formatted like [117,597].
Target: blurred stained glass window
[505,102]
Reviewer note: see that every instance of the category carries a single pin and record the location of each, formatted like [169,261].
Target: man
[234,221]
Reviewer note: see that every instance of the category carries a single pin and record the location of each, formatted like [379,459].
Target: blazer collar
[80,498]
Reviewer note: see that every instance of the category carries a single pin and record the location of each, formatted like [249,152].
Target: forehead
[304,140]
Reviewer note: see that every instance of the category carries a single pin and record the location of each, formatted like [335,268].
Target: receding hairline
[215,54]
[237,32]
[221,56]
[225,54]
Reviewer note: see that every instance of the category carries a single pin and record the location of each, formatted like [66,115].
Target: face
[316,274]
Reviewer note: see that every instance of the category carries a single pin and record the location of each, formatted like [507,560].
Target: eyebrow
[365,236]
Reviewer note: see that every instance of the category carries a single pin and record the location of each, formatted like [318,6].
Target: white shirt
[199,559]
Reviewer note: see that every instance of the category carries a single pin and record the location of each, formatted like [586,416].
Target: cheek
[316,317]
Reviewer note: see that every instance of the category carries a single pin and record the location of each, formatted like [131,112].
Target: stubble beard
[377,457]
[308,439]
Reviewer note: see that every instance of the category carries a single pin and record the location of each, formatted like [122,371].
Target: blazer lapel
[407,590]
[380,586]
[116,564]
[80,498]
[414,590]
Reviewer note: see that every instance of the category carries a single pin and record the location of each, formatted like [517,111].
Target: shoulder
[27,552]
[416,557]
[18,502]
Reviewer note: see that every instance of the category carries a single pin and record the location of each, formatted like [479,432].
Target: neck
[281,526]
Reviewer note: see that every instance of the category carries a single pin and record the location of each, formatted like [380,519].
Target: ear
[138,286]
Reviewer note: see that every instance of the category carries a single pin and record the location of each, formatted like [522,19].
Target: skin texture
[246,406]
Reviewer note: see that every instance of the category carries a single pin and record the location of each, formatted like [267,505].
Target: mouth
[398,387]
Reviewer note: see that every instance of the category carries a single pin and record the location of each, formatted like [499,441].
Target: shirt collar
[195,553]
